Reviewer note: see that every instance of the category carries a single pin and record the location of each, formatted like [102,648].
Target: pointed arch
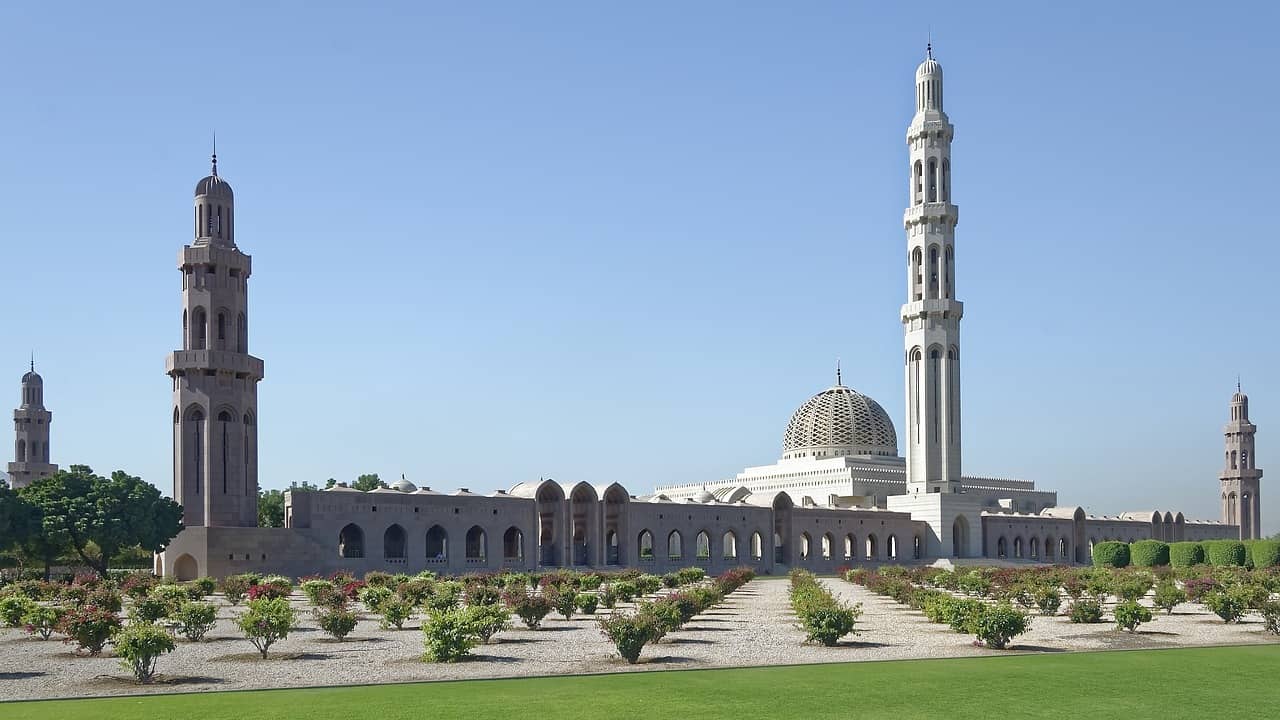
[393,543]
[806,546]
[702,545]
[513,544]
[828,546]
[757,546]
[892,546]
[729,545]
[437,543]
[477,544]
[644,541]
[351,541]
[675,549]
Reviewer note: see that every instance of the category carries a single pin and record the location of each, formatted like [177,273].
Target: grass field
[1229,682]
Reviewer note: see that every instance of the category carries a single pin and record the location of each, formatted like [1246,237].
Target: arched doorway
[437,543]
[513,545]
[960,537]
[185,568]
[393,541]
[351,542]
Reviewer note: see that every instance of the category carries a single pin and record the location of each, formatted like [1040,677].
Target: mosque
[840,495]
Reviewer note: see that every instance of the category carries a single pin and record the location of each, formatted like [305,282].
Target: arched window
[199,329]
[224,420]
[827,543]
[893,547]
[757,546]
[850,542]
[917,274]
[250,483]
[919,184]
[946,180]
[222,330]
[729,545]
[393,542]
[351,542]
[949,274]
[917,548]
[645,543]
[513,544]
[1017,547]
[933,180]
[437,543]
[22,450]
[703,545]
[935,369]
[805,546]
[242,334]
[195,416]
[674,549]
[1035,548]
[1002,548]
[477,543]
[933,272]
[871,547]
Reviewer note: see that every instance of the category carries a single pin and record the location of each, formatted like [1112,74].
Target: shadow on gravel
[690,641]
[20,675]
[704,628]
[254,657]
[519,641]
[668,660]
[118,681]
[1037,648]
[351,640]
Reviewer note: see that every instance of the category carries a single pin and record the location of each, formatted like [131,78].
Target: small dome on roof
[705,496]
[32,378]
[405,486]
[214,185]
[839,421]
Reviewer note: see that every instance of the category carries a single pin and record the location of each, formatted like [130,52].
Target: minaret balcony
[190,360]
[940,307]
[925,212]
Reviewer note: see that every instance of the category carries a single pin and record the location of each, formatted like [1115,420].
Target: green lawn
[1227,682]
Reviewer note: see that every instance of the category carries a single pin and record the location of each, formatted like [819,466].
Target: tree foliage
[368,482]
[81,509]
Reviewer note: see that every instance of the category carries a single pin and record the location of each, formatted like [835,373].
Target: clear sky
[623,242]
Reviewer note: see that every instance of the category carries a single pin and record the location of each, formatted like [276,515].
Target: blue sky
[499,241]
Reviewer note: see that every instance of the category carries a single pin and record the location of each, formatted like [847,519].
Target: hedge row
[1149,553]
[1186,554]
[1219,553]
[1264,553]
[1111,554]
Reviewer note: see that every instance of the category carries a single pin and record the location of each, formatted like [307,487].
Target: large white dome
[839,421]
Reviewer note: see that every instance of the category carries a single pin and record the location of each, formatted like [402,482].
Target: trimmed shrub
[395,612]
[194,619]
[444,596]
[206,585]
[488,620]
[1271,616]
[139,646]
[105,598]
[447,636]
[1131,586]
[1228,604]
[235,588]
[562,601]
[266,621]
[587,603]
[1265,553]
[1048,600]
[1169,596]
[630,632]
[42,620]
[373,596]
[481,594]
[1225,553]
[529,608]
[1186,554]
[337,622]
[608,597]
[1130,614]
[665,616]
[89,627]
[824,618]
[996,625]
[1111,554]
[150,609]
[1085,610]
[15,607]
[626,590]
[1149,553]
[263,591]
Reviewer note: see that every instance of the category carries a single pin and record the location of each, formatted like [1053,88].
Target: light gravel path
[753,626]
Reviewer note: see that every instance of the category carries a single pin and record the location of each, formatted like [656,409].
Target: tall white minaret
[31,429]
[1241,477]
[931,315]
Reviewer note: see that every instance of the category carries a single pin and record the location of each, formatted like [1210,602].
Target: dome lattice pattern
[842,421]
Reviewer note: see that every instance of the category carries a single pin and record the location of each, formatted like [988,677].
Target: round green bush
[1085,610]
[266,621]
[630,632]
[1169,596]
[337,622]
[996,625]
[1265,553]
[447,635]
[1149,553]
[139,646]
[1226,553]
[1111,554]
[488,620]
[1186,554]
[1130,614]
[194,619]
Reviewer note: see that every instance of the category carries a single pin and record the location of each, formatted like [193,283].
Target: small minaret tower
[215,379]
[1241,477]
[931,315]
[31,427]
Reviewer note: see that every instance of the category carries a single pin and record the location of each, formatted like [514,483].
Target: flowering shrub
[139,646]
[1130,614]
[444,595]
[377,578]
[194,619]
[608,597]
[89,627]
[481,594]
[417,590]
[1271,616]
[74,594]
[586,603]
[626,590]
[235,588]
[1228,604]
[447,636]
[562,601]
[529,608]
[206,586]
[1197,588]
[647,584]
[1048,600]
[266,621]
[824,618]
[338,622]
[322,593]
[352,588]
[1132,586]
[105,598]
[266,592]
[42,620]
[630,632]
[172,594]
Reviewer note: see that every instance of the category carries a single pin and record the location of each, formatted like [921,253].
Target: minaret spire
[215,154]
[838,380]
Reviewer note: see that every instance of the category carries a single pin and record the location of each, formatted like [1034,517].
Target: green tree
[270,508]
[368,482]
[113,513]
[20,527]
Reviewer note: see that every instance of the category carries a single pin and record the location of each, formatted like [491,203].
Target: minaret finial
[1237,382]
[838,379]
[928,45]
[33,361]
[215,153]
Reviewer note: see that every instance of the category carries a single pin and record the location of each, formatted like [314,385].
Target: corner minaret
[931,315]
[215,379]
[1241,477]
[31,429]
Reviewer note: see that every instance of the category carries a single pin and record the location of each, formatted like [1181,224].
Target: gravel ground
[753,627]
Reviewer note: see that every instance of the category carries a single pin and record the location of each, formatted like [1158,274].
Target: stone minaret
[1241,477]
[31,428]
[215,379]
[931,316]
